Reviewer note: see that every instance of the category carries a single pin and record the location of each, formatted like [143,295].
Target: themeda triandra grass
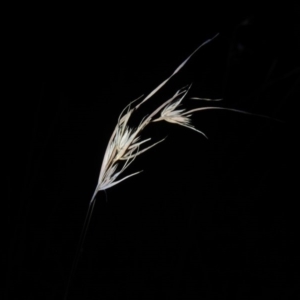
[125,143]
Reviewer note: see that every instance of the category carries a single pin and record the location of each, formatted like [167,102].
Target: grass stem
[81,241]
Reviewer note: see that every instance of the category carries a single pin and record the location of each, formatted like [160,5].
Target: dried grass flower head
[125,143]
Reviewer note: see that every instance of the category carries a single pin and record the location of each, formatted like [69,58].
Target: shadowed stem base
[81,241]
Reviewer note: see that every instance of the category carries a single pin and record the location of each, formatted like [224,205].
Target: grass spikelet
[125,145]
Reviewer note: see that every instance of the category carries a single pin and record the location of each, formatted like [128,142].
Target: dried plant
[125,143]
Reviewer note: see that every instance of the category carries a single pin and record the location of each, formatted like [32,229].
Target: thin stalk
[81,240]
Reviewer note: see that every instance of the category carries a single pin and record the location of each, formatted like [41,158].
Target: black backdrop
[207,219]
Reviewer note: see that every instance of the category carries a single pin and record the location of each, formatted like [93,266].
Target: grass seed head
[125,145]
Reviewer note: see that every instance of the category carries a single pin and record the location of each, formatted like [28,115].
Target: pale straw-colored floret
[180,116]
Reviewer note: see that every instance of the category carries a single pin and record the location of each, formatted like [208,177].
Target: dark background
[207,219]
